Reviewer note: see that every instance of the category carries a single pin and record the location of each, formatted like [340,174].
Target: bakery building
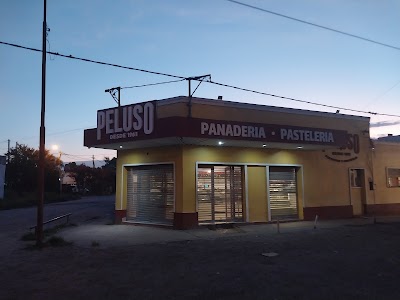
[187,161]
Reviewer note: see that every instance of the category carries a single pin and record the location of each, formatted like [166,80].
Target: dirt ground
[345,262]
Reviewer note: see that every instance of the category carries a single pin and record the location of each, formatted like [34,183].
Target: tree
[22,170]
[97,181]
[109,173]
[110,163]
[81,173]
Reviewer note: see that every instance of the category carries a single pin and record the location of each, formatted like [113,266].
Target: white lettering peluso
[134,117]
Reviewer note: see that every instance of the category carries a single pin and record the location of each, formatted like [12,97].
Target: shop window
[393,177]
[356,177]
[219,194]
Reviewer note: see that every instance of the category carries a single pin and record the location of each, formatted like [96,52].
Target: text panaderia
[218,129]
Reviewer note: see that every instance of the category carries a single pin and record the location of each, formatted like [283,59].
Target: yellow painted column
[257,193]
[189,183]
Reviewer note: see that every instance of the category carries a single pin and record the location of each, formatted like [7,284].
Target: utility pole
[8,152]
[60,174]
[93,161]
[39,224]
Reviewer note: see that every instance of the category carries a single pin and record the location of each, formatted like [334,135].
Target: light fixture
[120,146]
[220,143]
[264,145]
[299,147]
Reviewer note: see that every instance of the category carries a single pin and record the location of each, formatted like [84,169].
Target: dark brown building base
[185,220]
[390,209]
[328,212]
[119,215]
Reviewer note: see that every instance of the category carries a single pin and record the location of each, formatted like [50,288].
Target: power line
[301,101]
[383,94]
[151,84]
[210,81]
[53,133]
[93,61]
[87,155]
[314,24]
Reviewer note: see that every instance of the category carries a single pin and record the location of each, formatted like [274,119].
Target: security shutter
[151,194]
[219,194]
[283,193]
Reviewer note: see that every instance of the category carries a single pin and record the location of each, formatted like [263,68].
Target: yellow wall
[257,194]
[325,182]
[322,181]
[146,156]
[385,155]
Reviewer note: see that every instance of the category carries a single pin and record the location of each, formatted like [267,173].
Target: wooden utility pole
[39,224]
[8,152]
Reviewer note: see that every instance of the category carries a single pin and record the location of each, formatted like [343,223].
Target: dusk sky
[237,45]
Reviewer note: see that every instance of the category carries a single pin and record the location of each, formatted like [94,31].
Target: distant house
[390,138]
[68,182]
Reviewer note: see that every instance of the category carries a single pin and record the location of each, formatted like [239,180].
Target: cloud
[384,124]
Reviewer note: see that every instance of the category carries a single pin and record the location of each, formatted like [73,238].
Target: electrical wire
[383,94]
[314,24]
[151,84]
[301,101]
[93,61]
[211,82]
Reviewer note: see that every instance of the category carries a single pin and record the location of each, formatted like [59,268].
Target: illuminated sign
[266,132]
[137,122]
[227,130]
[125,122]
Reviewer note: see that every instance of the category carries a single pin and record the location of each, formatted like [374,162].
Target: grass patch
[14,199]
[31,236]
[56,241]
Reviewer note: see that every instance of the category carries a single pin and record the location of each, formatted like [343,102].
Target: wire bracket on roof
[197,78]
[113,91]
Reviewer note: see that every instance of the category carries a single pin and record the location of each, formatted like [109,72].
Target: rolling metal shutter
[219,194]
[151,194]
[283,193]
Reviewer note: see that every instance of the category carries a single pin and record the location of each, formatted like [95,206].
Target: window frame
[389,177]
[353,180]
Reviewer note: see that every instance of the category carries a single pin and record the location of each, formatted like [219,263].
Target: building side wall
[385,155]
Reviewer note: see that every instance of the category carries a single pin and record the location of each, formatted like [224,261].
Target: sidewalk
[107,236]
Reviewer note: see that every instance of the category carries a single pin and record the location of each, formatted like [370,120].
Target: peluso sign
[125,122]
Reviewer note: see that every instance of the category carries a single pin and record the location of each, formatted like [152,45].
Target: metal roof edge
[228,103]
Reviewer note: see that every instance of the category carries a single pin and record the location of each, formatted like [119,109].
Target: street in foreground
[341,262]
